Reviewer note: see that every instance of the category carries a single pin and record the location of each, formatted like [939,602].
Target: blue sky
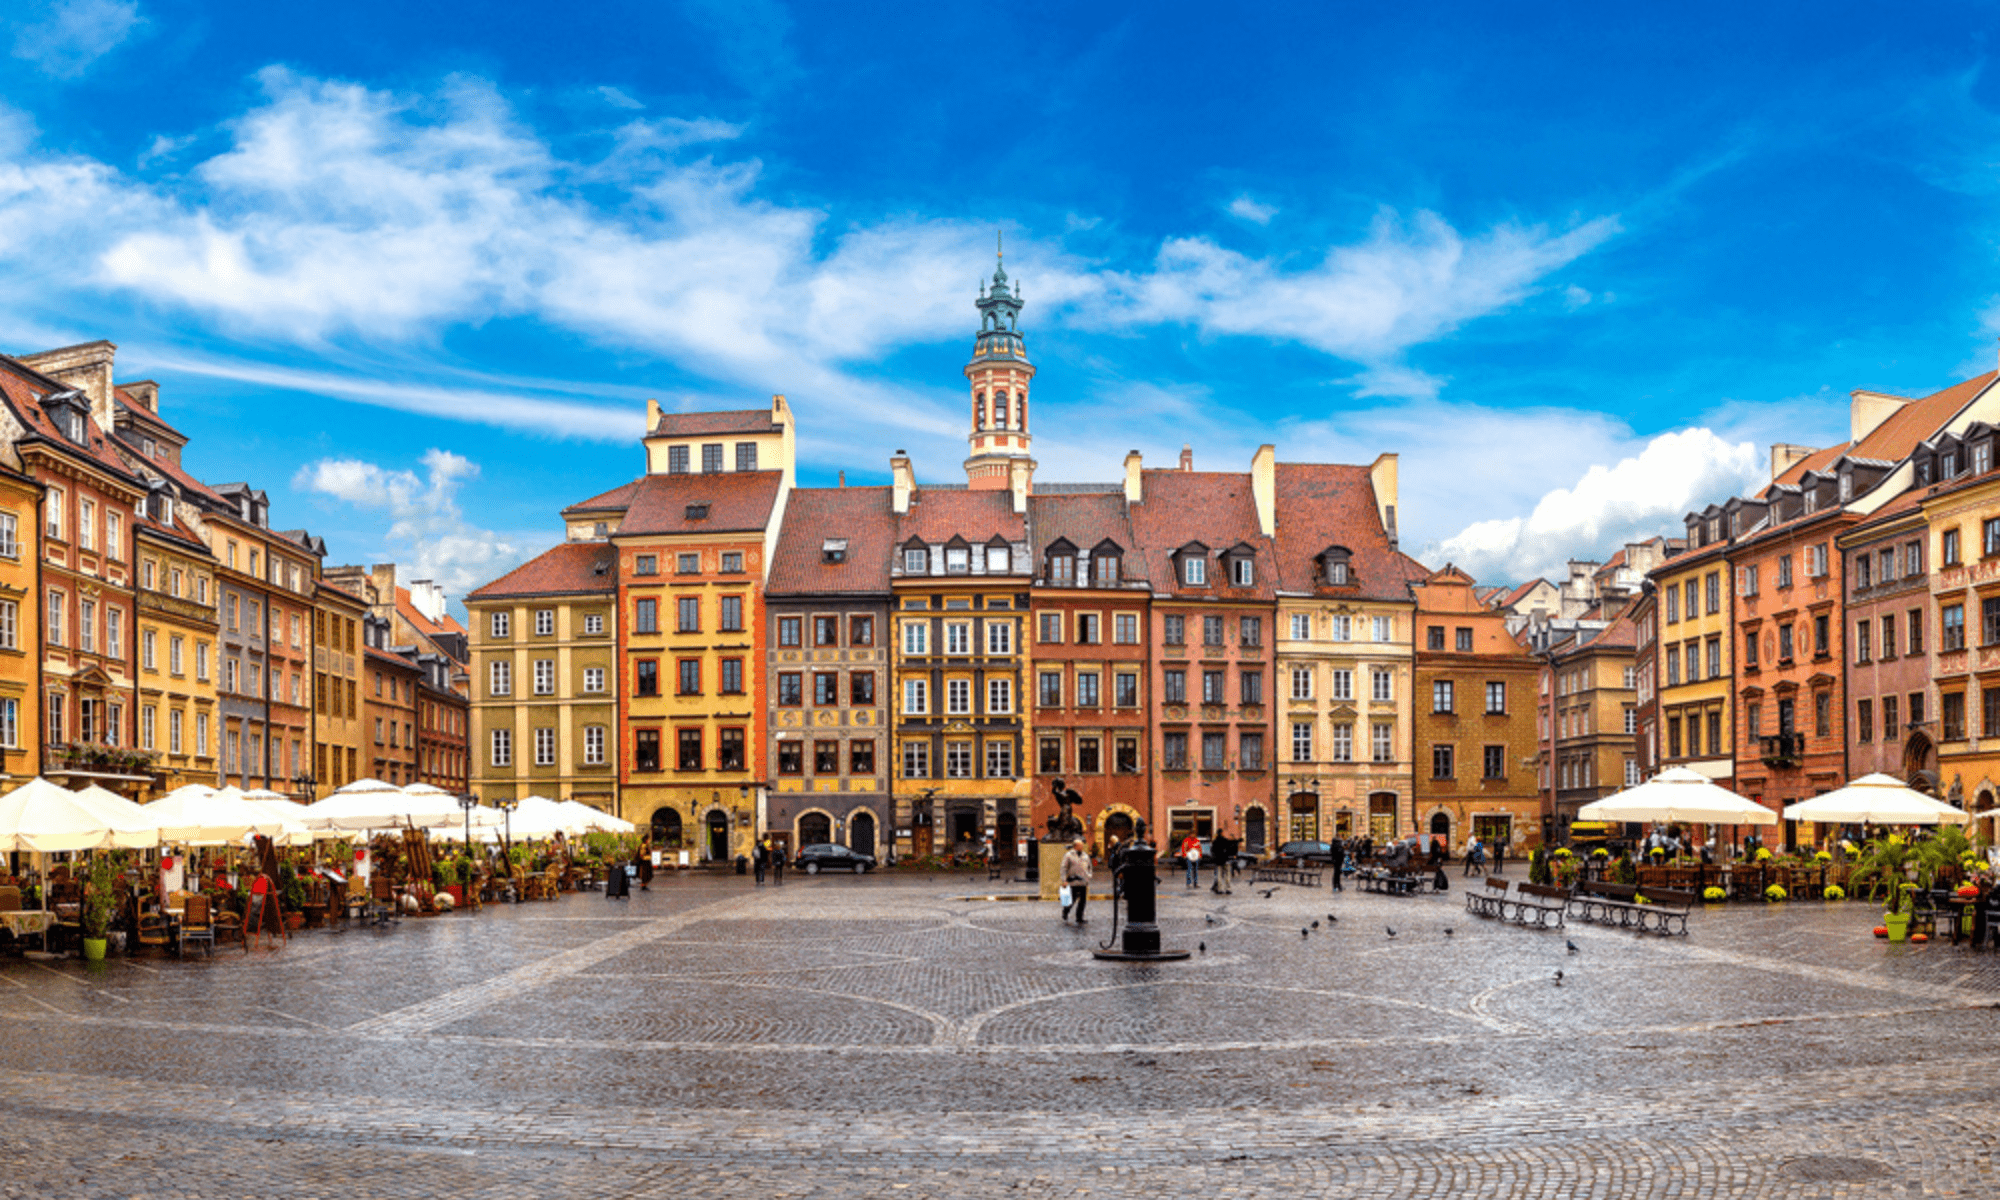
[414,268]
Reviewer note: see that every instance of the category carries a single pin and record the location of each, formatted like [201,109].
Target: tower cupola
[999,374]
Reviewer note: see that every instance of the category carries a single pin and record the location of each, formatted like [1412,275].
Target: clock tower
[999,373]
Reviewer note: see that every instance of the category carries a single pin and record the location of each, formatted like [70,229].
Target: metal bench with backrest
[1298,874]
[1489,901]
[1542,905]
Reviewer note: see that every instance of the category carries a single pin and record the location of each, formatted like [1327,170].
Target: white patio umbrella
[1877,800]
[1679,794]
[585,819]
[197,816]
[538,817]
[41,817]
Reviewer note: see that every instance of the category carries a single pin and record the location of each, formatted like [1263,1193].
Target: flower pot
[93,948]
[457,893]
[1899,926]
[295,921]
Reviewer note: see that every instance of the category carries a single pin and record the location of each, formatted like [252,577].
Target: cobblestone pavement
[908,1037]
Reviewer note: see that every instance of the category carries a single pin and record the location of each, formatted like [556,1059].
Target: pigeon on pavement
[1392,933]
[1559,978]
[1572,946]
[1201,946]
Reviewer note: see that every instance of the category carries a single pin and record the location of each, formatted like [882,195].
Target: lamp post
[506,808]
[468,802]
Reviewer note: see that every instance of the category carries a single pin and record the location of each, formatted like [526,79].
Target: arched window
[979,411]
[999,410]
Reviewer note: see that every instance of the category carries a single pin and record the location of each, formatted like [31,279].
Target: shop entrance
[1305,817]
[1441,829]
[1382,816]
[718,835]
[815,828]
[667,828]
[1005,830]
[1182,821]
[861,832]
[1253,831]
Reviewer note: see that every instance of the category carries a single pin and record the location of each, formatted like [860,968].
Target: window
[1441,762]
[503,747]
[1086,690]
[860,757]
[958,760]
[1302,683]
[1048,628]
[1746,580]
[1194,571]
[1672,596]
[957,696]
[1125,755]
[646,677]
[687,614]
[86,524]
[1989,620]
[999,637]
[1948,547]
[10,546]
[1464,642]
[1820,634]
[916,561]
[1889,712]
[545,622]
[916,696]
[545,747]
[1715,657]
[646,616]
[500,677]
[1174,752]
[1784,570]
[1382,742]
[1441,697]
[1342,684]
[1816,561]
[545,677]
[1213,688]
[1211,631]
[687,564]
[593,623]
[1125,689]
[916,637]
[687,672]
[1952,621]
[1242,572]
[1384,629]
[1784,643]
[1301,627]
[999,759]
[1089,629]
[1434,638]
[861,631]
[957,560]
[1712,591]
[201,662]
[593,679]
[999,560]
[1342,628]
[1343,744]
[86,625]
[1864,720]
[1989,537]
[1495,762]
[916,760]
[1104,570]
[1049,689]
[498,622]
[593,745]
[711,457]
[1631,720]
[1989,702]
[1916,626]
[1822,714]
[1913,558]
[147,648]
[1250,631]
[1214,752]
[1749,650]
[1861,637]
[1496,697]
[1173,630]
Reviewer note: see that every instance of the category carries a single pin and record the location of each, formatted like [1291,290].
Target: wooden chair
[197,925]
[150,926]
[383,899]
[10,899]
[228,922]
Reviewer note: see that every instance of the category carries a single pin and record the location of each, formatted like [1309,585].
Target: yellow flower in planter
[1823,856]
[1714,895]
[1763,853]
[1834,892]
[1774,893]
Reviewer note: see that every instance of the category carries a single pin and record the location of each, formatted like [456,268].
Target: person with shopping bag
[1075,880]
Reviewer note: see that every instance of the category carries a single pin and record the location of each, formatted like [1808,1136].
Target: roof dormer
[1336,566]
[1191,565]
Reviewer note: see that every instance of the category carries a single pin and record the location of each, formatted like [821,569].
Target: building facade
[20,628]
[1695,667]
[340,745]
[177,639]
[1475,725]
[1955,637]
[1594,681]
[388,705]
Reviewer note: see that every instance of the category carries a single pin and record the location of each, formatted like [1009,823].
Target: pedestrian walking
[1191,856]
[1336,860]
[1076,879]
[644,861]
[1499,854]
[777,863]
[760,858]
[1224,849]
[1475,856]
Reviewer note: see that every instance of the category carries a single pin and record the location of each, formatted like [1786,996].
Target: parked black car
[1292,853]
[832,856]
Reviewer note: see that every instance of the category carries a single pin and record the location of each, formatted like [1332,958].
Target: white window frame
[499,624]
[999,637]
[545,677]
[916,697]
[593,745]
[593,679]
[545,622]
[957,697]
[999,696]
[1302,741]
[503,747]
[500,679]
[545,746]
[1302,683]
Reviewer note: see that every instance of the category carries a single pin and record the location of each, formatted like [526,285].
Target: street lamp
[468,802]
[506,808]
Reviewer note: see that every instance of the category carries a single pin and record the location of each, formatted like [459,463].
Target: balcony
[1782,749]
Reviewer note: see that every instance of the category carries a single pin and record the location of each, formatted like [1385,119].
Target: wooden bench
[1297,874]
[1665,910]
[1489,901]
[1392,883]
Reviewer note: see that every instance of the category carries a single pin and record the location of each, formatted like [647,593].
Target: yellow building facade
[176,610]
[1696,661]
[338,722]
[20,629]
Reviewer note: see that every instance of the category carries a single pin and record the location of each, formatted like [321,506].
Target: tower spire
[999,374]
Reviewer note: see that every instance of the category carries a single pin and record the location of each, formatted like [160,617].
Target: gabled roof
[1215,508]
[573,568]
[616,500]
[737,502]
[861,516]
[939,514]
[711,424]
[145,415]
[408,609]
[1085,520]
[22,389]
[1320,505]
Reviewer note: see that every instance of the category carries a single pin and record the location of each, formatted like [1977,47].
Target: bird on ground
[1201,946]
[1392,933]
[1315,924]
[1304,932]
[1572,946]
[1211,918]
[1559,978]
[1267,893]
[1447,931]
[1330,918]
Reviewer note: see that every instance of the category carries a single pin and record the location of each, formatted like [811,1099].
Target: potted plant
[1898,920]
[1714,895]
[1774,894]
[1834,892]
[99,905]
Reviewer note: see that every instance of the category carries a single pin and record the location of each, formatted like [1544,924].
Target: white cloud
[1250,210]
[1640,496]
[1575,297]
[163,148]
[72,34]
[427,532]
[618,97]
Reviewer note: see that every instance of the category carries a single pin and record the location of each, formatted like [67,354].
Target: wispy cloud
[619,97]
[427,531]
[64,37]
[1250,210]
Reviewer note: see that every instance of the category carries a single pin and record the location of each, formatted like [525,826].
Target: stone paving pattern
[890,1037]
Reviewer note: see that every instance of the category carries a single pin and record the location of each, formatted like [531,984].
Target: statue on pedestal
[1063,825]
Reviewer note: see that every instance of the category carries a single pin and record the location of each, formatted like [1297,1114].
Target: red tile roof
[1214,508]
[127,402]
[703,424]
[617,499]
[1521,593]
[1321,505]
[573,568]
[22,388]
[424,624]
[1085,520]
[938,515]
[861,516]
[738,502]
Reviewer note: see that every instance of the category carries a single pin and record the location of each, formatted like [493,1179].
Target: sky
[414,269]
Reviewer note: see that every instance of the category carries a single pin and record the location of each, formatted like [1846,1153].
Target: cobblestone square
[909,1036]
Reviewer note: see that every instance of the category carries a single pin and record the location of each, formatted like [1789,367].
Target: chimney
[383,578]
[427,597]
[1382,474]
[1135,485]
[652,415]
[1187,457]
[1868,410]
[146,392]
[904,483]
[1785,456]
[86,368]
[843,479]
[1020,477]
[1264,488]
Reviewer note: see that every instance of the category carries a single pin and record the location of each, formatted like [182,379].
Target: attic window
[1194,571]
[1242,572]
[833,550]
[1104,569]
[75,421]
[957,560]
[151,447]
[697,512]
[1334,565]
[600,568]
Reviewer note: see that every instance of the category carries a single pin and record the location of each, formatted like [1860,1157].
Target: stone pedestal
[1050,855]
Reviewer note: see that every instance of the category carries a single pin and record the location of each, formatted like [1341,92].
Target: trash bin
[742,864]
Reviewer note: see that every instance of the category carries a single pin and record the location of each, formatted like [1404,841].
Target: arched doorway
[1255,833]
[861,832]
[814,828]
[1005,830]
[718,835]
[1441,828]
[667,828]
[1983,804]
[964,829]
[1117,827]
[1920,763]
